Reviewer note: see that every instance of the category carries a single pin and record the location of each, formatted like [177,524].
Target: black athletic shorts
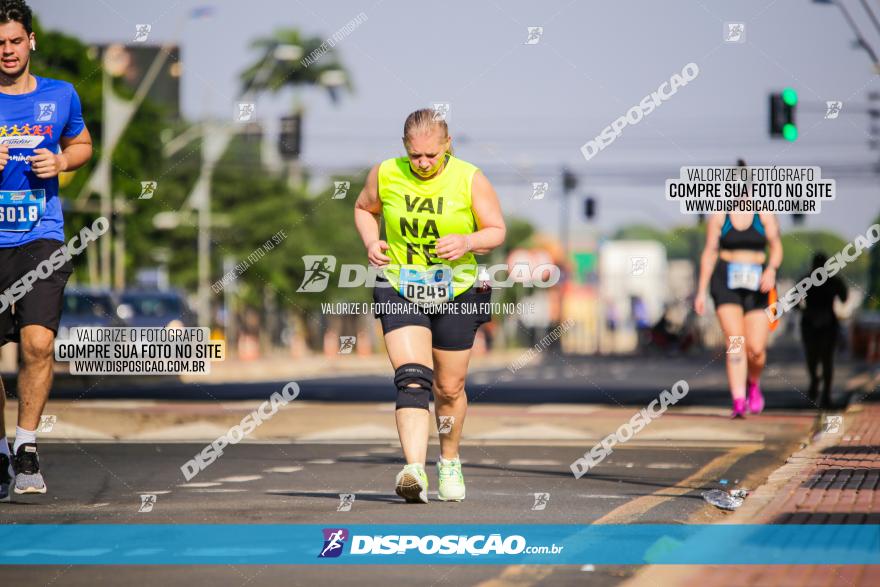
[721,294]
[450,330]
[42,304]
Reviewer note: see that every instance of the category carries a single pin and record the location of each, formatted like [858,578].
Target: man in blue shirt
[38,118]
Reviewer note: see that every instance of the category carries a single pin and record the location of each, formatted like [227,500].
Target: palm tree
[281,64]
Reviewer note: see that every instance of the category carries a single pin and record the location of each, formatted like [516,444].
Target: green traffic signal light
[789,96]
[789,132]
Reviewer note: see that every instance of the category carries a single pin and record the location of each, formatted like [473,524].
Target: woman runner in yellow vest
[438,211]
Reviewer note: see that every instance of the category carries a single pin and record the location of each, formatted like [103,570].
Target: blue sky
[521,111]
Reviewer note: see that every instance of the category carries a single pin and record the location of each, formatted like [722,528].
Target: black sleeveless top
[753,238]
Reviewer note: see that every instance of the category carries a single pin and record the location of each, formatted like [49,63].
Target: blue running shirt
[29,206]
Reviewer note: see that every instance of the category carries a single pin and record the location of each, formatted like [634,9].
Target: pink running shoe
[739,408]
[756,398]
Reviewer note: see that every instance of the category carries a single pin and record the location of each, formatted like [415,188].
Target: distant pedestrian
[742,254]
[819,331]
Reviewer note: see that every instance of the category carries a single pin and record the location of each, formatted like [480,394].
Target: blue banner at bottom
[488,544]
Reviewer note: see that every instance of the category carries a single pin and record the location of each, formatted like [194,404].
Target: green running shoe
[412,484]
[451,486]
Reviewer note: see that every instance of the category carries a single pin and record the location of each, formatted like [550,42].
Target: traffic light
[290,139]
[589,207]
[569,180]
[782,108]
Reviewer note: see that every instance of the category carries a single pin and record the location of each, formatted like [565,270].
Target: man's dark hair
[16,11]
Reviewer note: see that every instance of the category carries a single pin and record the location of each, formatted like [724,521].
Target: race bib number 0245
[21,210]
[426,288]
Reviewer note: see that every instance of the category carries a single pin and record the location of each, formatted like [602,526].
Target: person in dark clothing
[819,331]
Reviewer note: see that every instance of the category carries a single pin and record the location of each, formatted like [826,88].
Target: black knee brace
[413,397]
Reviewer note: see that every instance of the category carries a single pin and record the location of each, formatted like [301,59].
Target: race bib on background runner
[21,210]
[426,288]
[743,276]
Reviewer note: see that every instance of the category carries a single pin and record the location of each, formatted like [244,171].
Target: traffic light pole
[569,183]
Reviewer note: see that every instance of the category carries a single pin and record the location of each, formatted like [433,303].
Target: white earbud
[33,45]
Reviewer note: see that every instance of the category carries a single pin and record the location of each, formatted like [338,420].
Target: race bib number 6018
[21,210]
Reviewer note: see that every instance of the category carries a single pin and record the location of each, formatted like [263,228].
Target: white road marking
[282,470]
[239,479]
[669,466]
[533,463]
[321,462]
[198,485]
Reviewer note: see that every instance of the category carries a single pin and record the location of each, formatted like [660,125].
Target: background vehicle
[88,307]
[150,308]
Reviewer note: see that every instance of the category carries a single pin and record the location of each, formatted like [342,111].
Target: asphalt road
[654,478]
[301,483]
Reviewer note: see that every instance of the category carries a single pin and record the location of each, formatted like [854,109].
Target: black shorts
[450,331]
[721,294]
[42,304]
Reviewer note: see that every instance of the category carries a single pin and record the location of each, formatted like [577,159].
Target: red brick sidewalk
[837,484]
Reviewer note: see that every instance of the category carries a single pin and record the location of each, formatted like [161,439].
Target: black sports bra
[753,238]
